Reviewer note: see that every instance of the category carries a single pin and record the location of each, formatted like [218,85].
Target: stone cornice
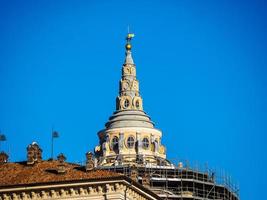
[88,190]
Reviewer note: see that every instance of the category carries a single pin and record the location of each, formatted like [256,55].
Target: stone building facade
[57,179]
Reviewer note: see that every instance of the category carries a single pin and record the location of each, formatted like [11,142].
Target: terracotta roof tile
[45,171]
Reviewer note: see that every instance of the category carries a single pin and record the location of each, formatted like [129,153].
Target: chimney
[89,161]
[34,153]
[3,157]
[61,166]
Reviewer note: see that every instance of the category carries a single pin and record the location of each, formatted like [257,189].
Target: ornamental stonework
[129,134]
[95,191]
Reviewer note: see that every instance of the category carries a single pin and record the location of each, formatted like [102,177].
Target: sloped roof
[20,173]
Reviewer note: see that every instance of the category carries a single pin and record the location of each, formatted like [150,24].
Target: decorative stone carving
[33,195]
[128,70]
[5,197]
[89,161]
[14,196]
[108,188]
[155,144]
[92,190]
[53,194]
[116,190]
[146,179]
[117,186]
[129,118]
[24,196]
[43,194]
[62,193]
[72,192]
[105,146]
[100,189]
[162,150]
[125,85]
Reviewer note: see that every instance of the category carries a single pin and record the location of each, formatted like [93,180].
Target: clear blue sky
[202,67]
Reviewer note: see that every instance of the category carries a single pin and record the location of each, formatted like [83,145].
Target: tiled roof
[45,172]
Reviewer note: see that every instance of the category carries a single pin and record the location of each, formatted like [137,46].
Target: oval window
[145,143]
[126,103]
[137,104]
[130,142]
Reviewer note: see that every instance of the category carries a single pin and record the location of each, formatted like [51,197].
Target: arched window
[145,143]
[130,142]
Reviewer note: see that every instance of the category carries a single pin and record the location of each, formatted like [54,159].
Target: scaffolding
[182,181]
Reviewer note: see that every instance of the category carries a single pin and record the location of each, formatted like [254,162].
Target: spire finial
[128,41]
[128,46]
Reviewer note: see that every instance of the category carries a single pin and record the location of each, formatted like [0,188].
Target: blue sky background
[201,67]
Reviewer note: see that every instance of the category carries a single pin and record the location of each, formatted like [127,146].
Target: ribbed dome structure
[129,118]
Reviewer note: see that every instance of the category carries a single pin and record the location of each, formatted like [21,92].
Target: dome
[129,118]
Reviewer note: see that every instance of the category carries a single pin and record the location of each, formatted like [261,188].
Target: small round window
[137,104]
[114,143]
[126,103]
[130,142]
[145,143]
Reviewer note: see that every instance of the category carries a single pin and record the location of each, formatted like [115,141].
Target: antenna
[128,29]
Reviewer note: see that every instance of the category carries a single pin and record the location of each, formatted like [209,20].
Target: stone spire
[129,97]
[129,59]
[129,137]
